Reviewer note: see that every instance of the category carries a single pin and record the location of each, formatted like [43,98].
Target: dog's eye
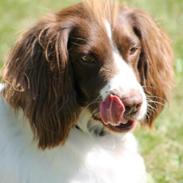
[133,50]
[88,59]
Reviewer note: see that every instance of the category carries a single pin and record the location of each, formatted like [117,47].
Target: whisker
[156,97]
[155,102]
[151,107]
[75,43]
[79,38]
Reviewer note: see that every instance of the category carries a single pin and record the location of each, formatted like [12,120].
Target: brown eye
[88,59]
[133,50]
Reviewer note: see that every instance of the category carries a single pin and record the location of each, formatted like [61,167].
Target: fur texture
[56,77]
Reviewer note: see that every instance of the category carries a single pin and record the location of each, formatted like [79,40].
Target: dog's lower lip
[124,126]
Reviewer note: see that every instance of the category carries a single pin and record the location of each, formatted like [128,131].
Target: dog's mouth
[129,125]
[112,114]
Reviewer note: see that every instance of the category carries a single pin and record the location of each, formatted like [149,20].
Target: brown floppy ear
[155,64]
[39,80]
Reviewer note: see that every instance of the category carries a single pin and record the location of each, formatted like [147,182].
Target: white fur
[82,159]
[108,29]
[124,80]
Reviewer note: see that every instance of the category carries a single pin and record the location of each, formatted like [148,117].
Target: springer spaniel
[75,86]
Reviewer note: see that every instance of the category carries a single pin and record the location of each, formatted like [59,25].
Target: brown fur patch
[47,80]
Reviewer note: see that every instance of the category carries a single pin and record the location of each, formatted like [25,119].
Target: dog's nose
[132,104]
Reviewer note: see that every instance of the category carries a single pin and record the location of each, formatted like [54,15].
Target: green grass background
[162,147]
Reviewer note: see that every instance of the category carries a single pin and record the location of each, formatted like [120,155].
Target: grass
[162,147]
[17,15]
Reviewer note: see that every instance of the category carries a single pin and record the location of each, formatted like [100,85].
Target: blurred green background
[162,147]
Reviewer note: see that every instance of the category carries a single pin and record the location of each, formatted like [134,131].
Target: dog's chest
[82,159]
[87,160]
[110,160]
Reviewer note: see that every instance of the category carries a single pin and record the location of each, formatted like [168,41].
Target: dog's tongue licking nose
[112,110]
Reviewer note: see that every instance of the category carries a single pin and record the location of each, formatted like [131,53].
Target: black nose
[132,104]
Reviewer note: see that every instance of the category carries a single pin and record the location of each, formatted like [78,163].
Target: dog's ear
[39,80]
[155,64]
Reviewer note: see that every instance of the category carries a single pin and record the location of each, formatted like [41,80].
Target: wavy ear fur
[39,80]
[155,64]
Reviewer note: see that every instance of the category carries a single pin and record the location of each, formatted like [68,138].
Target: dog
[76,85]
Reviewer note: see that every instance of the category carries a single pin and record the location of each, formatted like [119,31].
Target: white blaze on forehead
[123,71]
[124,79]
[108,29]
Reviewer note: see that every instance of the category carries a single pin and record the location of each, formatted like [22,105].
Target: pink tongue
[112,110]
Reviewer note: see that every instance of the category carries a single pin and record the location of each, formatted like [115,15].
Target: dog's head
[113,60]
